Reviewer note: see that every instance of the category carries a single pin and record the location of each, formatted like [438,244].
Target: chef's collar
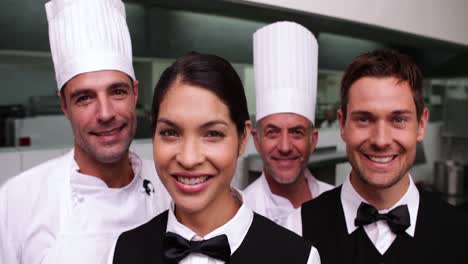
[351,200]
[235,229]
[81,179]
[284,203]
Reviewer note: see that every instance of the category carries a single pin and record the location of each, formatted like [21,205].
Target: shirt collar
[351,200]
[280,201]
[235,229]
[80,179]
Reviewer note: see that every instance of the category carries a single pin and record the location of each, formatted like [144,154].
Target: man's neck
[381,198]
[115,175]
[297,192]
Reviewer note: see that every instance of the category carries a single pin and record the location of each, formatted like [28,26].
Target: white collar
[235,229]
[350,200]
[80,179]
[280,201]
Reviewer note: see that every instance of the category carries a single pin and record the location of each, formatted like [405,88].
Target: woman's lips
[192,183]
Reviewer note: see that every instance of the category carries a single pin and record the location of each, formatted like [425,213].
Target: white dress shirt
[235,230]
[52,212]
[261,200]
[378,232]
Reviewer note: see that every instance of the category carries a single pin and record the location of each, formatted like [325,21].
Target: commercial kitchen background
[434,32]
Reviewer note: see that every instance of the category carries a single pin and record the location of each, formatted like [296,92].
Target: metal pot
[450,177]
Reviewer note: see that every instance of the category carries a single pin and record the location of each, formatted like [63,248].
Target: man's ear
[313,139]
[342,121]
[135,90]
[245,137]
[63,103]
[422,124]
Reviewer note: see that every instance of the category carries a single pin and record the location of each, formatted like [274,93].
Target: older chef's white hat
[88,35]
[285,66]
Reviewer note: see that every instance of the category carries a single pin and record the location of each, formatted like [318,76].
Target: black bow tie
[176,248]
[398,219]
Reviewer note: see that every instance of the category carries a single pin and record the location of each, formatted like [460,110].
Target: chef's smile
[109,134]
[286,162]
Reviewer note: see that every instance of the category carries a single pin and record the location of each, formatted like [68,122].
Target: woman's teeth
[192,180]
[381,159]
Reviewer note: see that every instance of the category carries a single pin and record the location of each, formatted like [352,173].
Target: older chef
[285,65]
[71,209]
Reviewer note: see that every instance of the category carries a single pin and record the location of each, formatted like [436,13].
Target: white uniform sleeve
[8,252]
[314,257]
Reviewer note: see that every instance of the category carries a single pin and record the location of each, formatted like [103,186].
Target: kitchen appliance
[450,180]
[8,113]
[451,170]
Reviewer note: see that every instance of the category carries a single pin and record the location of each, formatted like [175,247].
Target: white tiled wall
[15,160]
[33,157]
[10,163]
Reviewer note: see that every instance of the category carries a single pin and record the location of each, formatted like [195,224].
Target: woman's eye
[168,133]
[215,134]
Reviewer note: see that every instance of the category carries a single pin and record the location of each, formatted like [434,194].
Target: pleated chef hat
[285,66]
[87,36]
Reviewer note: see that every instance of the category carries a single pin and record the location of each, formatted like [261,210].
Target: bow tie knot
[176,248]
[398,219]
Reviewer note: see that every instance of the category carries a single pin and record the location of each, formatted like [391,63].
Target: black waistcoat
[441,234]
[265,242]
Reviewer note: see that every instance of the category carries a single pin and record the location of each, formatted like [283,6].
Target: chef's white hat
[88,35]
[285,66]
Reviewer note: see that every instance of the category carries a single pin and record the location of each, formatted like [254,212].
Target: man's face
[381,131]
[285,141]
[101,108]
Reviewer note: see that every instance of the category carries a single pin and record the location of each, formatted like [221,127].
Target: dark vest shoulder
[267,242]
[440,235]
[441,227]
[137,245]
[322,215]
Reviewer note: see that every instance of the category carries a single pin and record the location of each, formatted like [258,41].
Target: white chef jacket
[235,229]
[378,232]
[261,200]
[54,214]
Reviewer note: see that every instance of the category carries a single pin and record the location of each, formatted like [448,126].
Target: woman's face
[196,146]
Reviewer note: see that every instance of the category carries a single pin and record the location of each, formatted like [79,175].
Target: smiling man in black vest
[378,215]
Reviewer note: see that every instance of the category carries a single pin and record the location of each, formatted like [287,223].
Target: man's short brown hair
[381,64]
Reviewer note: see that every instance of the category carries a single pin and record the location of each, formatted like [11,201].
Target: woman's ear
[245,137]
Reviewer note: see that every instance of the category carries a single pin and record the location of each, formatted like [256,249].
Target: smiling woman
[201,126]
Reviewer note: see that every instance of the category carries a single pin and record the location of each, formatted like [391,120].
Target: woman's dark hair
[208,72]
[380,64]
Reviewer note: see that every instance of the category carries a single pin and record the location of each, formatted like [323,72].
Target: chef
[72,208]
[379,215]
[285,65]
